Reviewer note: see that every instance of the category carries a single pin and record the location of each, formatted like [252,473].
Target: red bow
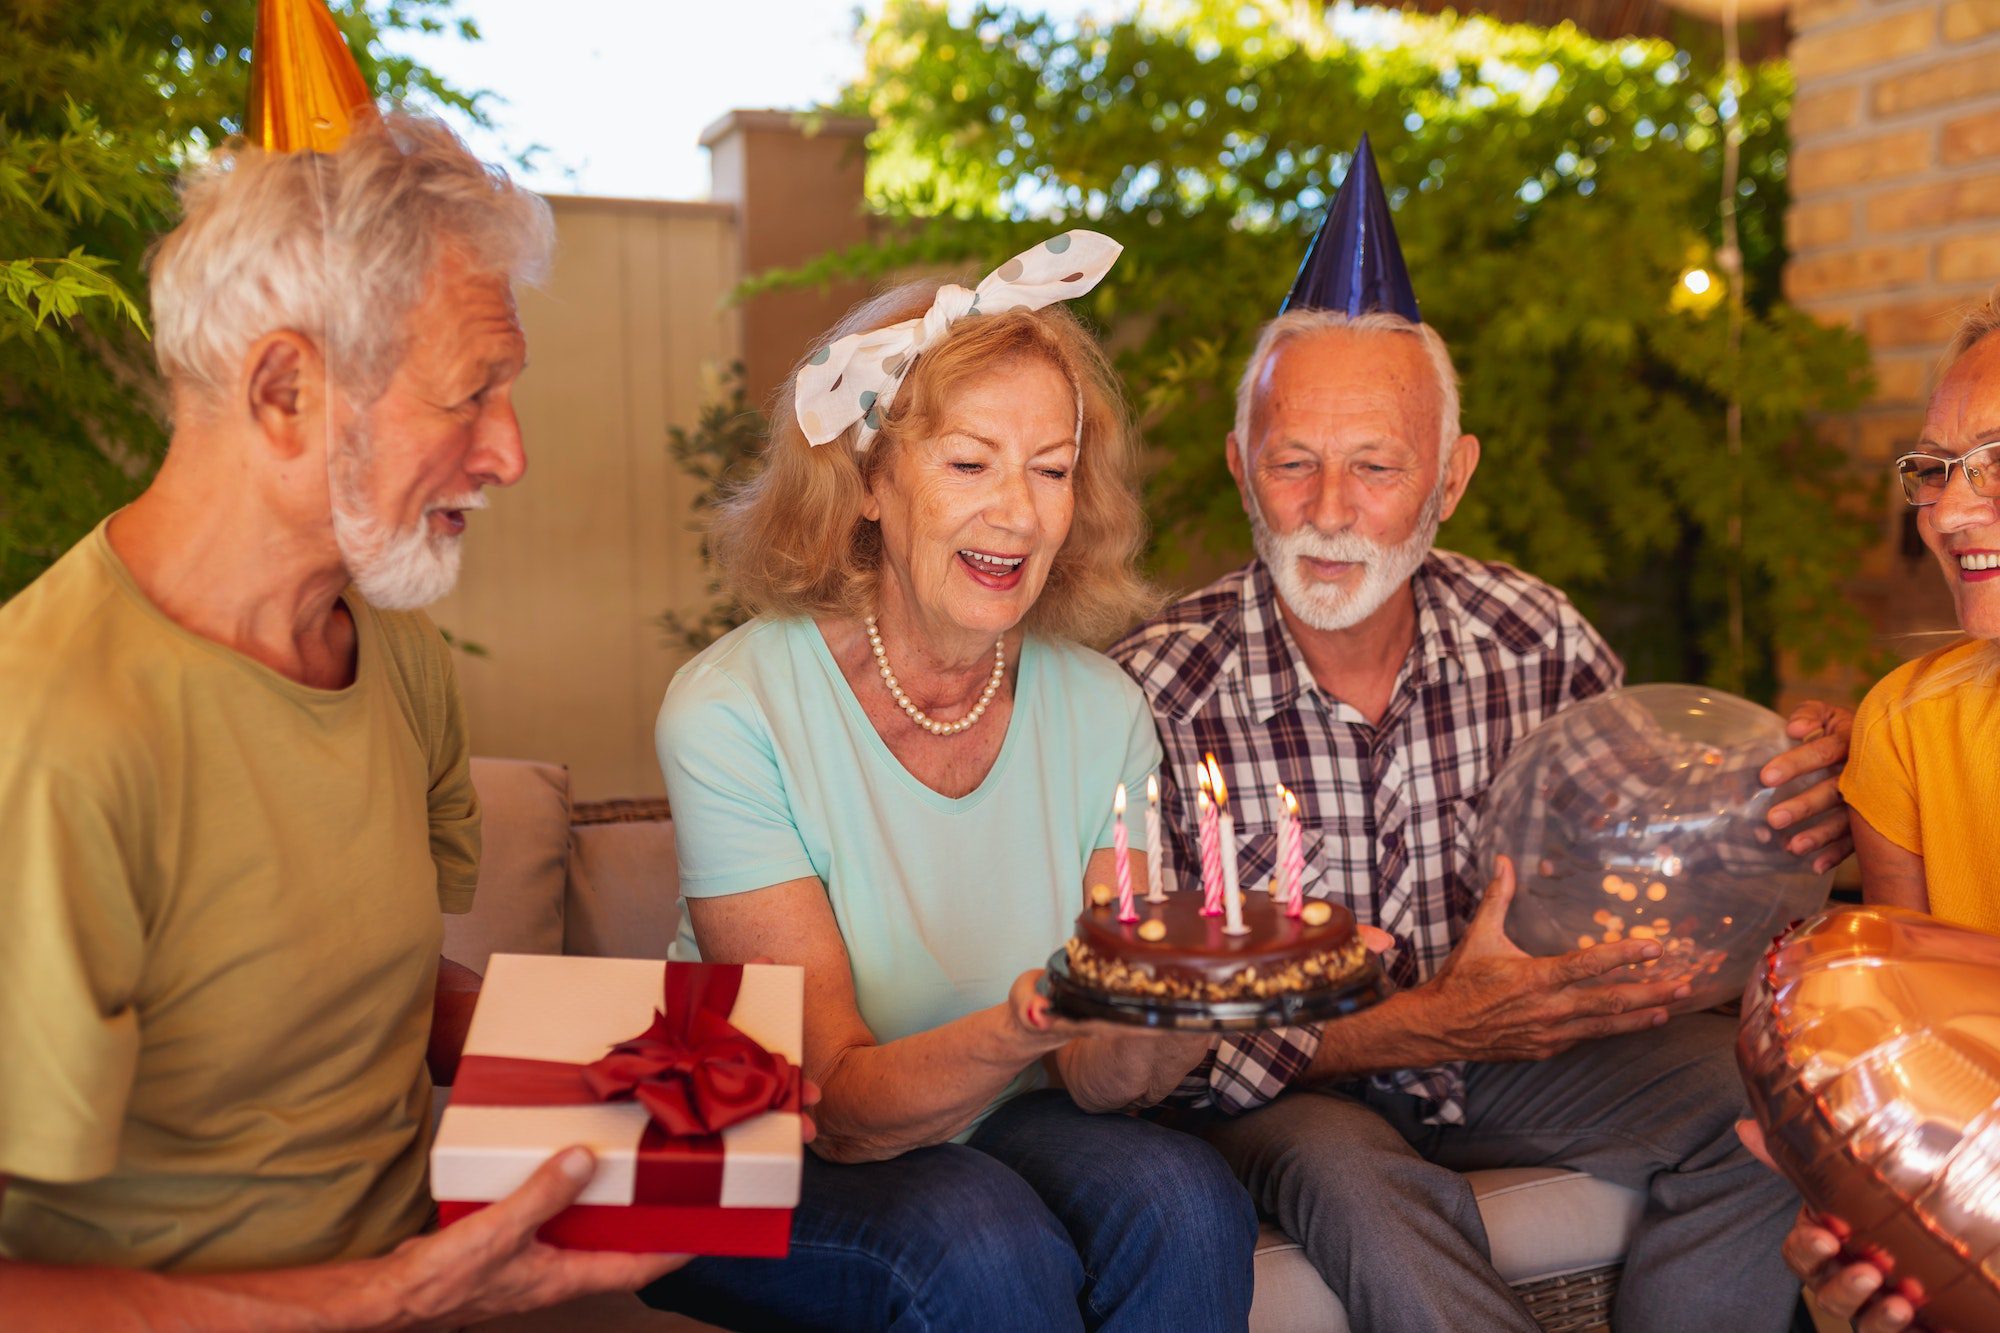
[692,1072]
[695,1073]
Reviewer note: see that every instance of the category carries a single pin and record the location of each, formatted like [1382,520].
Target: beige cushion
[523,863]
[1541,1222]
[1289,1295]
[624,890]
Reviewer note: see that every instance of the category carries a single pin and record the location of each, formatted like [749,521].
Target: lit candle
[1295,858]
[1284,830]
[1232,891]
[1122,858]
[1156,872]
[1211,853]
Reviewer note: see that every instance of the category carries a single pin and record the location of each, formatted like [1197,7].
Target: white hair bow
[855,378]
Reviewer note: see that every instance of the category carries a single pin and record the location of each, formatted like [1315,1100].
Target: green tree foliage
[102,102]
[1550,191]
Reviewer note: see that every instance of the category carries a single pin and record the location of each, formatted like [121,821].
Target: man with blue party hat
[1383,681]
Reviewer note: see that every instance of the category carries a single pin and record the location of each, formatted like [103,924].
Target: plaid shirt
[1390,812]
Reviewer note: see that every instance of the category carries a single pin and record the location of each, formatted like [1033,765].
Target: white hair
[335,246]
[1300,323]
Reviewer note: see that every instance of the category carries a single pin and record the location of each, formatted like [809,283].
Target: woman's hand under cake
[1105,1066]
[1109,1067]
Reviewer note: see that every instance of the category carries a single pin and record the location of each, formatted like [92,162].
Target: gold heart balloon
[1870,1044]
[305,90]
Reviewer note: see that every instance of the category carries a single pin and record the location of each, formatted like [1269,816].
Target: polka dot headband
[855,378]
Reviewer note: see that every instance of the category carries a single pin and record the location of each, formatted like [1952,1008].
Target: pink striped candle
[1211,852]
[1121,856]
[1295,857]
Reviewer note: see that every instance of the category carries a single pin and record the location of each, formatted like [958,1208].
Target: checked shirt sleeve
[1252,1068]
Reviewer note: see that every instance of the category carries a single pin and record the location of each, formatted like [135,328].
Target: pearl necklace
[916,714]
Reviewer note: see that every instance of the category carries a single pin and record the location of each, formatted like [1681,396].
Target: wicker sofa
[600,879]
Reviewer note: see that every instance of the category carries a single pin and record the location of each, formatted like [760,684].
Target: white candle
[1232,891]
[1156,874]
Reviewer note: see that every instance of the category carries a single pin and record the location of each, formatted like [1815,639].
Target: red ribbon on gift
[693,1071]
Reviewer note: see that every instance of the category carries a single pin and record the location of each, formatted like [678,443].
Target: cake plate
[1073,1000]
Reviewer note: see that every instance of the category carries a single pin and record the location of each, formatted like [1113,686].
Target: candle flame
[1291,801]
[1215,779]
[1201,775]
[1152,789]
[1118,801]
[1201,799]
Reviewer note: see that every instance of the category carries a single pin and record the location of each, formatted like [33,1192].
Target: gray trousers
[1374,1195]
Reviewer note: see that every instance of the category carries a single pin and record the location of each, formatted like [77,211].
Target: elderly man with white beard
[234,782]
[1384,682]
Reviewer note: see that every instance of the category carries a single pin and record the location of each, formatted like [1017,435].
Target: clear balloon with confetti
[1640,814]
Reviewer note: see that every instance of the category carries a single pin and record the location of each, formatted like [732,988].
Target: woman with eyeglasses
[1926,750]
[1925,762]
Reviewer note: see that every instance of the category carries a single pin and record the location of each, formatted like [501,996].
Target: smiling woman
[1921,780]
[795,540]
[899,776]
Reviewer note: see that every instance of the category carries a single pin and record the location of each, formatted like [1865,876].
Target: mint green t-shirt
[775,773]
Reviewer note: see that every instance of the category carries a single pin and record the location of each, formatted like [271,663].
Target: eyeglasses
[1924,476]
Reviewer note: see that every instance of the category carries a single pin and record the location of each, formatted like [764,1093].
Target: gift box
[682,1077]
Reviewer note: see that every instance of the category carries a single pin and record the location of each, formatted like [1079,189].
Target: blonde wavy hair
[1981,668]
[793,542]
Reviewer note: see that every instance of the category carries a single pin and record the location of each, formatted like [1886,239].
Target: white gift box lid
[573,1010]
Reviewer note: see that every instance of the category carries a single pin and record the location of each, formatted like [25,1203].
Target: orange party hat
[305,90]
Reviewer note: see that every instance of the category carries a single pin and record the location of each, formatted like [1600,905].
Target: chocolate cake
[1173,952]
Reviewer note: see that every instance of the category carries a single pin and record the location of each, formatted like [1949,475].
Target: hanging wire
[1730,260]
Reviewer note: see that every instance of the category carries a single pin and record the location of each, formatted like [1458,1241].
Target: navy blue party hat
[1354,264]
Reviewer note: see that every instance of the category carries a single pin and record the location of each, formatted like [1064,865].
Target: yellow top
[220,891]
[1926,776]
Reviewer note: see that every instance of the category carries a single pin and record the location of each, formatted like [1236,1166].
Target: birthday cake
[1174,952]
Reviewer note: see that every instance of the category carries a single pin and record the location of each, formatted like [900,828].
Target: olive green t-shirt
[219,931]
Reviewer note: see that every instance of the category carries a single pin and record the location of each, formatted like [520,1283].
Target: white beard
[393,570]
[1384,568]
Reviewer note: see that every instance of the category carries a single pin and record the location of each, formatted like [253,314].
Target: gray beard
[1385,568]
[396,570]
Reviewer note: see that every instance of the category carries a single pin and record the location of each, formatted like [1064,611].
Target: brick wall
[1894,226]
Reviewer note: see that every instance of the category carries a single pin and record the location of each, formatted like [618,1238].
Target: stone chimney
[795,180]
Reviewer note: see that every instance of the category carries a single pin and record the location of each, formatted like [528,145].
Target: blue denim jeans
[1048,1219]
